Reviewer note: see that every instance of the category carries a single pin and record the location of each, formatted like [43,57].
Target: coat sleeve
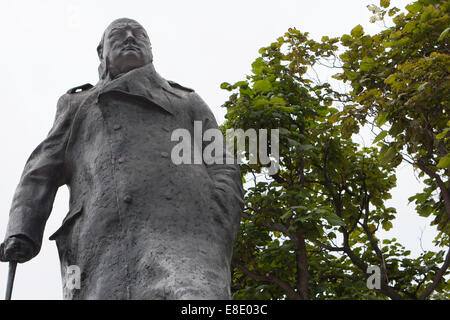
[226,177]
[42,176]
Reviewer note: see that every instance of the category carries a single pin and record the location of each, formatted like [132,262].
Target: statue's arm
[226,177]
[42,176]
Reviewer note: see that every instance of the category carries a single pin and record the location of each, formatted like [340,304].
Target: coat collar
[144,83]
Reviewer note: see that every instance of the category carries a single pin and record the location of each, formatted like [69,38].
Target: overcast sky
[50,46]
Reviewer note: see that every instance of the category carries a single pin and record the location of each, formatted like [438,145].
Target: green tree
[310,230]
[400,85]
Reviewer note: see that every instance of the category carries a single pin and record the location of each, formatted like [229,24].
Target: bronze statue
[139,226]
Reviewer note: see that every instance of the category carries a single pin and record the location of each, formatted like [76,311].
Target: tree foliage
[310,231]
[400,77]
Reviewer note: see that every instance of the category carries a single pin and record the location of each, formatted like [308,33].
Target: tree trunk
[302,267]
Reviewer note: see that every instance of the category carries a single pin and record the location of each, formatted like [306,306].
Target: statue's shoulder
[72,96]
[175,85]
[83,88]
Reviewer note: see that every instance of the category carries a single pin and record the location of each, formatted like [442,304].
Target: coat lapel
[143,83]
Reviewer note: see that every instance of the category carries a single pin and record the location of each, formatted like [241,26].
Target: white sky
[50,46]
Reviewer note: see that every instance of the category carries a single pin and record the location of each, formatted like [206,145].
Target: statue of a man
[139,226]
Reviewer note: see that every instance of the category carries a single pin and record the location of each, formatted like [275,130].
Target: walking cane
[11,274]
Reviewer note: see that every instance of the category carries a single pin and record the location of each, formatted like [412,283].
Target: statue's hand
[17,248]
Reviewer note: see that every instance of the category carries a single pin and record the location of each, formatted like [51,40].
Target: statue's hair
[102,68]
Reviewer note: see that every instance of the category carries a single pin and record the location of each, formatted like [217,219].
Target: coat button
[127,199]
[120,160]
[164,154]
[117,127]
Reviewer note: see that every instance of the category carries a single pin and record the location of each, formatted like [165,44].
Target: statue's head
[124,46]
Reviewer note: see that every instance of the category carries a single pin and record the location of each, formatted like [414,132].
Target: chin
[131,54]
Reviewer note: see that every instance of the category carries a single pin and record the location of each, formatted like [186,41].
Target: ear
[100,47]
[100,50]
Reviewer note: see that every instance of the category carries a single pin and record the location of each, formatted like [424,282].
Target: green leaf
[278,101]
[444,34]
[381,119]
[367,64]
[334,220]
[258,66]
[444,162]
[262,85]
[357,31]
[390,79]
[414,7]
[393,11]
[287,215]
[240,84]
[225,85]
[346,39]
[387,156]
[260,102]
[380,136]
[386,225]
[334,118]
[442,135]
[385,3]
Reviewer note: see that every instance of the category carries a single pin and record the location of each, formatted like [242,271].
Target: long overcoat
[139,226]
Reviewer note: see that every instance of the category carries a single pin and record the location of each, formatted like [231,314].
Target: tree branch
[444,191]
[268,278]
[437,278]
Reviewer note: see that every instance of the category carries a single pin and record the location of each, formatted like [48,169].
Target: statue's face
[126,47]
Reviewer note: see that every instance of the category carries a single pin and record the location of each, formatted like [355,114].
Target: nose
[129,36]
